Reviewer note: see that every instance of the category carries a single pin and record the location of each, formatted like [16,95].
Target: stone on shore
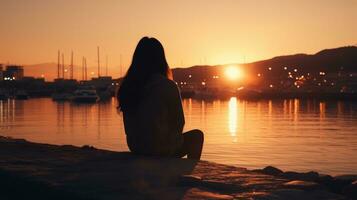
[351,190]
[308,176]
[302,185]
[272,171]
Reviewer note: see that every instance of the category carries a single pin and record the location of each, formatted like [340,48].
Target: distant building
[32,79]
[102,81]
[13,72]
[1,72]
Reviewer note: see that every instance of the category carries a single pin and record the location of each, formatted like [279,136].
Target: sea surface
[291,134]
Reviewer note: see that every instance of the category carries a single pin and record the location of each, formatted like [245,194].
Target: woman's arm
[176,107]
[176,114]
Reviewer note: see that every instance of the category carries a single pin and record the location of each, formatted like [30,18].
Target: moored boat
[206,93]
[85,94]
[3,95]
[249,93]
[61,96]
[21,95]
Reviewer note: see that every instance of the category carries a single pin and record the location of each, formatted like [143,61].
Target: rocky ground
[41,171]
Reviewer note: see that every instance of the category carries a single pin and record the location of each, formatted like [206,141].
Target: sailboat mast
[121,67]
[58,64]
[72,65]
[83,68]
[106,65]
[98,61]
[62,66]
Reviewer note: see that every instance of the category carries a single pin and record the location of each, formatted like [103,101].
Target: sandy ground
[41,171]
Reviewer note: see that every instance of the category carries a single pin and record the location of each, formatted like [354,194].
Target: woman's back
[155,126]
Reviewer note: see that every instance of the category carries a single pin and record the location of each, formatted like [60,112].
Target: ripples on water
[298,135]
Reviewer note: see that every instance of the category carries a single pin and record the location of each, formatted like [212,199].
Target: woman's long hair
[148,59]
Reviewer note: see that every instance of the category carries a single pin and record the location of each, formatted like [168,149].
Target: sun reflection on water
[232,117]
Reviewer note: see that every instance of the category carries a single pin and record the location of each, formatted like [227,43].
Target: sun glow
[234,73]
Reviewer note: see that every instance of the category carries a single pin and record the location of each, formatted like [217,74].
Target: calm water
[298,135]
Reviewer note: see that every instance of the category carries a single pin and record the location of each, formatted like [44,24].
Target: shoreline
[52,171]
[266,95]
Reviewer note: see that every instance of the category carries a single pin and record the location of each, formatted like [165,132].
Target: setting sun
[234,73]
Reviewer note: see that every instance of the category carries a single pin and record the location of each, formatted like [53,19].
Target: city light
[234,73]
[8,78]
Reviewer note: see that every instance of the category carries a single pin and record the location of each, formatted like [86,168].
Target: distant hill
[49,70]
[328,60]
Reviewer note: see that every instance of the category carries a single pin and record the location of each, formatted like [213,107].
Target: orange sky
[192,31]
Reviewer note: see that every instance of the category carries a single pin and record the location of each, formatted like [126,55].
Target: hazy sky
[192,31]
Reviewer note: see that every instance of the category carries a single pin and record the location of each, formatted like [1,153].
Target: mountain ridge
[327,59]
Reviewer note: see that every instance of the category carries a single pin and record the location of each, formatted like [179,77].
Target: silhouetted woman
[152,109]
